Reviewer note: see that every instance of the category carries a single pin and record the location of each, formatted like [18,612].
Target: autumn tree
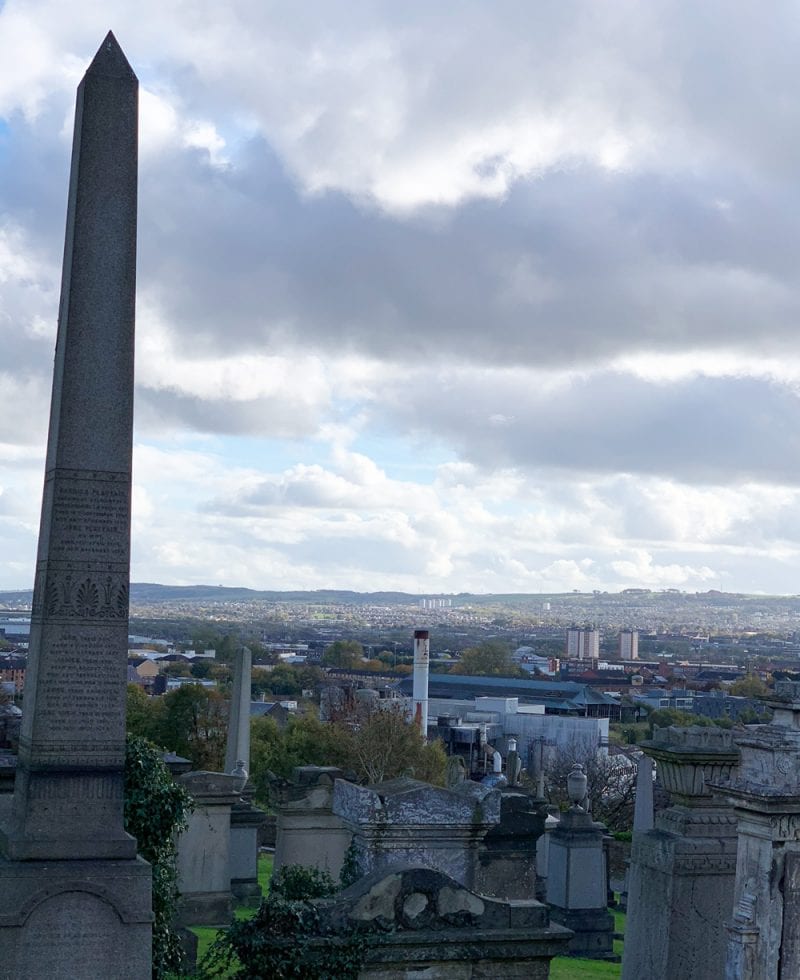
[610,783]
[750,686]
[343,653]
[384,743]
[375,743]
[140,713]
[490,659]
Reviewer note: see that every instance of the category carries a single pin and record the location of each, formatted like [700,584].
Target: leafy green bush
[296,883]
[156,808]
[282,941]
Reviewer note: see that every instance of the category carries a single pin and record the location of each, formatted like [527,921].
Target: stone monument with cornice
[680,882]
[75,898]
[764,924]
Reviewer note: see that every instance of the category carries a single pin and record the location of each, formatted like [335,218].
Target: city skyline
[489,300]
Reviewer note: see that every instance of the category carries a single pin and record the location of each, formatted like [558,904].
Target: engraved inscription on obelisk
[68,794]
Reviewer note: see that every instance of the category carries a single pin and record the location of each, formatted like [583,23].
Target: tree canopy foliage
[380,743]
[285,680]
[490,659]
[750,686]
[343,653]
[191,720]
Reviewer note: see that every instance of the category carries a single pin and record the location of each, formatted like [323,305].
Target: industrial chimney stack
[422,653]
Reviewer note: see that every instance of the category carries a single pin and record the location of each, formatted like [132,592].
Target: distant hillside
[147,593]
[24,597]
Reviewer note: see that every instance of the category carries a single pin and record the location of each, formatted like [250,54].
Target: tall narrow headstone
[79,898]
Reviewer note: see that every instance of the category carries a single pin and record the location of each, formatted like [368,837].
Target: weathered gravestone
[308,832]
[407,822]
[680,882]
[204,849]
[419,922]
[76,899]
[507,861]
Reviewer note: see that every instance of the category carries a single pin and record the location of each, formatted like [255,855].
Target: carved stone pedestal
[204,853]
[764,932]
[680,881]
[77,919]
[576,885]
[245,821]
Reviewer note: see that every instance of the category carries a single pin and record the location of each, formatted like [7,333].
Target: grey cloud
[571,268]
[158,409]
[701,430]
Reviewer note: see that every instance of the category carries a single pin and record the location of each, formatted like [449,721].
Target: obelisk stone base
[245,821]
[204,850]
[75,920]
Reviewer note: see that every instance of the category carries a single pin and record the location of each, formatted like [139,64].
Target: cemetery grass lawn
[207,934]
[567,968]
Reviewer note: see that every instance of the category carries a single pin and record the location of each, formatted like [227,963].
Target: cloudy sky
[487,296]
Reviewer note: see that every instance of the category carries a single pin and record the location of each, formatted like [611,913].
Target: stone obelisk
[237,749]
[80,898]
[245,817]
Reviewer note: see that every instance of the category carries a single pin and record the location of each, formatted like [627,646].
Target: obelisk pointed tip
[110,60]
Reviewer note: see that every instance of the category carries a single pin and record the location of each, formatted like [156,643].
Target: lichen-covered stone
[421,923]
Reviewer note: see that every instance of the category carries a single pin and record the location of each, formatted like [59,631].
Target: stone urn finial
[576,786]
[241,772]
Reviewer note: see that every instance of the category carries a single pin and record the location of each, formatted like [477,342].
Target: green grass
[207,934]
[264,871]
[567,968]
[572,968]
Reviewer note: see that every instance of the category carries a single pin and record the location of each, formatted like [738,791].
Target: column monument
[246,818]
[76,899]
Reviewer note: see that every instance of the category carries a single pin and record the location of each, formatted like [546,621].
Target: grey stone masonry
[76,899]
[407,822]
[68,794]
[643,809]
[680,882]
[765,791]
[421,923]
[204,850]
[237,748]
[576,884]
[246,818]
[507,860]
[307,830]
